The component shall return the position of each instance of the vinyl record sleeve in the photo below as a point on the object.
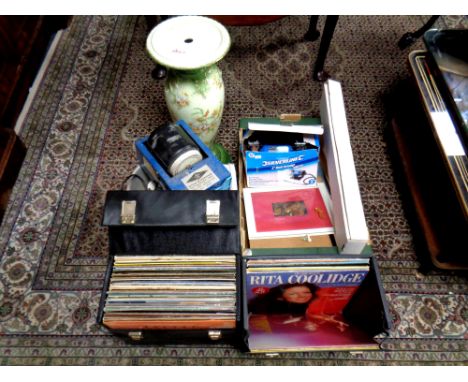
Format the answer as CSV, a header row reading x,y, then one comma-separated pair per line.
x,y
275,213
301,308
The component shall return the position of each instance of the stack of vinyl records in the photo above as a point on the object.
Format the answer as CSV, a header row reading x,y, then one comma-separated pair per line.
x,y
172,292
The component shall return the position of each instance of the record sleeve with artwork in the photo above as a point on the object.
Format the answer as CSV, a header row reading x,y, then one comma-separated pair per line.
x,y
276,213
300,308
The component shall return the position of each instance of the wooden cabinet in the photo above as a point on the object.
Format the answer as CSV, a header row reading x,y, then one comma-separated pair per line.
x,y
12,152
24,41
23,44
431,177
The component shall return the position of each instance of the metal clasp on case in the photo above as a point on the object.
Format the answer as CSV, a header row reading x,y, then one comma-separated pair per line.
x,y
214,334
127,213
136,336
212,211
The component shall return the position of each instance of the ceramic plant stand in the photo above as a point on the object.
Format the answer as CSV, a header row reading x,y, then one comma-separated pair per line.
x,y
189,47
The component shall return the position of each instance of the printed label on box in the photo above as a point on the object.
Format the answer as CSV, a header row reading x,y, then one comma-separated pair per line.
x,y
200,179
273,169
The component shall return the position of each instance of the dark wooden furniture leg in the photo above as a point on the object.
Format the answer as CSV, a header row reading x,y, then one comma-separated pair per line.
x,y
24,43
312,33
329,28
409,38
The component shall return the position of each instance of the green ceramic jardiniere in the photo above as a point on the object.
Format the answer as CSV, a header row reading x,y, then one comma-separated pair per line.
x,y
189,47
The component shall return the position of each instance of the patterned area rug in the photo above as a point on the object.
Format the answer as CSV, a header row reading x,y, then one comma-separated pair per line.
x,y
97,97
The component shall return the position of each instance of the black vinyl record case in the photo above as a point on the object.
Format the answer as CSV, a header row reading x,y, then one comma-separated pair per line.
x,y
170,224
364,315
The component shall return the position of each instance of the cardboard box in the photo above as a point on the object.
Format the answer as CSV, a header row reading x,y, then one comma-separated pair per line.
x,y
316,241
351,234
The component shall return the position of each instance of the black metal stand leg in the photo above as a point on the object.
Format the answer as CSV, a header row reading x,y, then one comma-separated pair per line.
x,y
409,38
328,30
312,33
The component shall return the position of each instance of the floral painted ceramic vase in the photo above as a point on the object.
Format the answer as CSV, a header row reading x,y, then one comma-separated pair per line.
x,y
197,97
189,47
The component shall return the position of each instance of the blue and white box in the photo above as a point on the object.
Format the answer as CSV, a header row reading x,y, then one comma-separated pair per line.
x,y
281,165
207,174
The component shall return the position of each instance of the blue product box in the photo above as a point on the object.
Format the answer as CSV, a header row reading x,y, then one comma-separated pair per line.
x,y
207,174
277,161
